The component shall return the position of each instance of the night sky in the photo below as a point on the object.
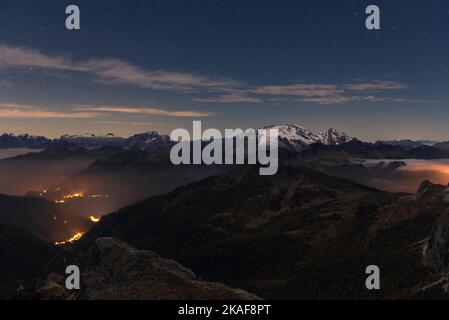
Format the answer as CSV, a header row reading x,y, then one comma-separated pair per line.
x,y
158,65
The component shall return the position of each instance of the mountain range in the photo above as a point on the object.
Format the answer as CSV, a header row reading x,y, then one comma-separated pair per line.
x,y
303,233
292,134
293,137
146,140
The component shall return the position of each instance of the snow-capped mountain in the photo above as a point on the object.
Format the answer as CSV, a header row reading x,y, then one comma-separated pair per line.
x,y
23,141
150,140
290,136
296,134
145,140
333,137
89,136
149,137
89,140
297,137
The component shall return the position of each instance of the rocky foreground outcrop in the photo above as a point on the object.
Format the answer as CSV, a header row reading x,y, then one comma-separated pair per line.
x,y
113,270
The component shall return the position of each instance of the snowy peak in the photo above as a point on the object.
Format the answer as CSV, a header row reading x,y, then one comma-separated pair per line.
x,y
88,136
296,133
297,136
148,140
148,137
333,137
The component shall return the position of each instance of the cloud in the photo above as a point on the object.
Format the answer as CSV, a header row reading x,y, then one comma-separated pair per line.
x,y
27,57
326,100
131,123
326,94
142,111
305,90
376,85
231,98
11,110
404,100
114,71
111,71
338,99
20,111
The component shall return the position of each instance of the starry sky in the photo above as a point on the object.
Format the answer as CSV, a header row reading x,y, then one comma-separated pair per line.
x,y
158,65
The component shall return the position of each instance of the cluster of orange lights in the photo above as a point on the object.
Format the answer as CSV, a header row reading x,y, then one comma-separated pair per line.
x,y
69,197
78,235
80,195
94,219
73,196
71,240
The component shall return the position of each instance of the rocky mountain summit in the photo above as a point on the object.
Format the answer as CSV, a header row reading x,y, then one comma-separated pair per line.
x,y
113,270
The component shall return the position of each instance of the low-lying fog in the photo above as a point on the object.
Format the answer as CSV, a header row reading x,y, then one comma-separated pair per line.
x,y
408,178
19,177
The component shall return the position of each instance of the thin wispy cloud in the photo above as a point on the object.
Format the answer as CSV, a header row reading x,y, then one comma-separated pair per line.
x,y
131,123
323,94
304,90
371,99
326,94
142,111
28,57
114,71
338,99
18,111
376,85
231,98
21,111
